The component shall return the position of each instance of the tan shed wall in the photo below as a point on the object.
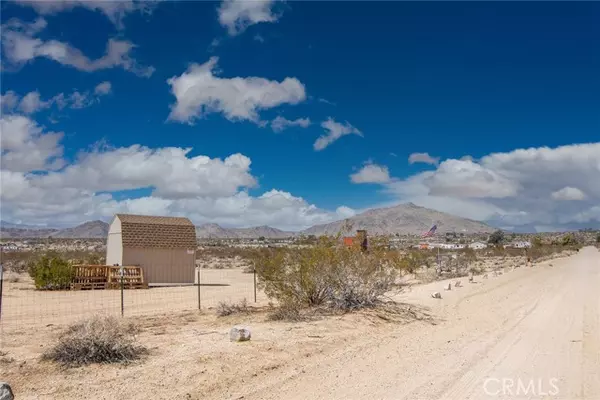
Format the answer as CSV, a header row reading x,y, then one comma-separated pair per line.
x,y
163,265
114,243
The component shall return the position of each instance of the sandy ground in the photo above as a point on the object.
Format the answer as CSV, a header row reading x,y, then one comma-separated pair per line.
x,y
530,333
23,307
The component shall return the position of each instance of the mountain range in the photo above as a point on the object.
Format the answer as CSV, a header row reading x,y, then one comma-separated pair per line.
x,y
402,219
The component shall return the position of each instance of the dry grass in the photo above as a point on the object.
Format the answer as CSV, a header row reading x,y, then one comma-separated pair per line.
x,y
290,312
98,340
225,308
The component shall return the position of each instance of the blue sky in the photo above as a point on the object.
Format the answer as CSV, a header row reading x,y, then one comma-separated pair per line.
x,y
513,86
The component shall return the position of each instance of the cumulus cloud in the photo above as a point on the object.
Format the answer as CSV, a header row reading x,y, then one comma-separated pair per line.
x,y
568,193
334,131
423,158
371,173
203,188
115,11
469,179
280,123
20,45
26,147
32,101
238,15
170,171
524,187
198,92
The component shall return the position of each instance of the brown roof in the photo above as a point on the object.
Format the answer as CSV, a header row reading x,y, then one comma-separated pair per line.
x,y
157,232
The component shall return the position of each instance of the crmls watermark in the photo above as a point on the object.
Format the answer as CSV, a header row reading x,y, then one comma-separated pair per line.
x,y
521,387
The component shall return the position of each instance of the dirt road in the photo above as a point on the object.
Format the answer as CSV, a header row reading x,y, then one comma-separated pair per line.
x,y
530,333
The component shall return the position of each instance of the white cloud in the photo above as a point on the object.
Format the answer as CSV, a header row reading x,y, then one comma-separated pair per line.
x,y
335,130
237,15
169,171
259,38
115,11
20,46
9,100
103,88
524,187
32,101
204,189
568,193
326,102
280,123
469,179
371,173
26,147
423,158
199,92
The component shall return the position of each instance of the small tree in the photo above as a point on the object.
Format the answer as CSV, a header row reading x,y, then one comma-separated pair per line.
x,y
51,272
598,238
537,241
496,238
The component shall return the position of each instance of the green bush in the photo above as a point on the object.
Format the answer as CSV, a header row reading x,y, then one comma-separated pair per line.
x,y
51,272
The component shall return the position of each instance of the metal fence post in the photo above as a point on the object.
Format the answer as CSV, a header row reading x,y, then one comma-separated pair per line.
x,y
122,300
198,282
1,284
254,272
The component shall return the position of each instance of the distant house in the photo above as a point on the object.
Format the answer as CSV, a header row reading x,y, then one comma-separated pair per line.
x,y
165,247
522,245
477,246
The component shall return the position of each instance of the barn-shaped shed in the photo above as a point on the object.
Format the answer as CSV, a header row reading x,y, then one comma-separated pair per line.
x,y
165,247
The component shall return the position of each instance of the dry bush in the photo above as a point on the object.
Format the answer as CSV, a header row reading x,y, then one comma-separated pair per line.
x,y
290,312
328,274
101,339
224,308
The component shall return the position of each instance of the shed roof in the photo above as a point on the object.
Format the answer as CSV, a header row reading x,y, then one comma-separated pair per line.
x,y
157,232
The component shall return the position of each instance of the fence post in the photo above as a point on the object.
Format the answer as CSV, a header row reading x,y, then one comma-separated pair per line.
x,y
122,300
198,282
1,284
254,272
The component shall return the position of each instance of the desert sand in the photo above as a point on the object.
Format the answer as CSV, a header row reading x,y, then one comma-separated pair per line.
x,y
530,333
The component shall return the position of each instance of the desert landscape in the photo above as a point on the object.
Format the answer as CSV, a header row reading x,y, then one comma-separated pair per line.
x,y
536,323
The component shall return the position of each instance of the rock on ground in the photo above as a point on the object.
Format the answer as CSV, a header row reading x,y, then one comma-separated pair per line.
x,y
238,334
436,295
6,392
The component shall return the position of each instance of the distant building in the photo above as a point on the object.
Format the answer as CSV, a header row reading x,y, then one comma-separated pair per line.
x,y
477,246
165,247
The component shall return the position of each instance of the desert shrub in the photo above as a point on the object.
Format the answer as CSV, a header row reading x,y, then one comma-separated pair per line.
x,y
328,274
496,238
569,240
224,308
290,312
51,272
98,340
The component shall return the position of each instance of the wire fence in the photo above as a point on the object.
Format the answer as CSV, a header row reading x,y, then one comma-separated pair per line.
x,y
22,306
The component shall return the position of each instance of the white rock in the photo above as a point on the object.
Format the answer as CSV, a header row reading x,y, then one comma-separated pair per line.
x,y
239,334
6,392
436,295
